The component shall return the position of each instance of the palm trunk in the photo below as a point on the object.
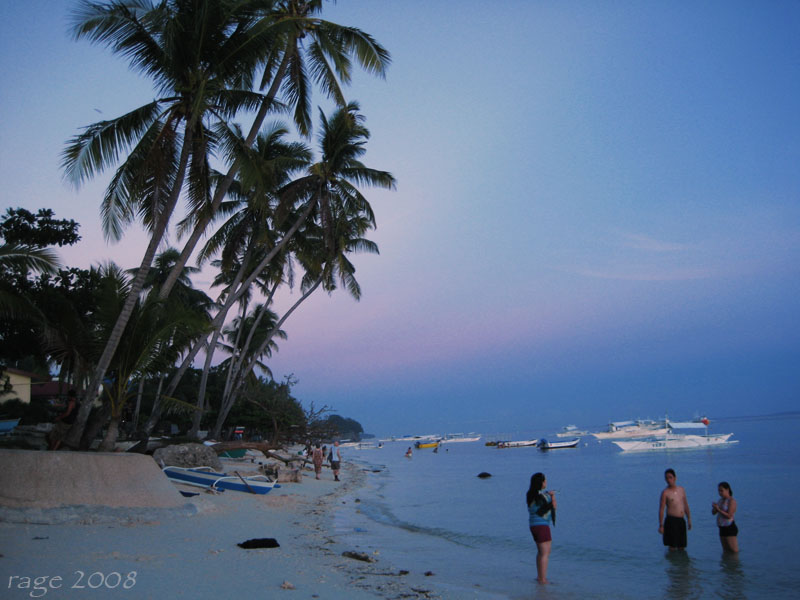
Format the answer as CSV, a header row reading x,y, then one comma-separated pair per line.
x,y
112,433
155,413
136,287
230,399
201,393
139,394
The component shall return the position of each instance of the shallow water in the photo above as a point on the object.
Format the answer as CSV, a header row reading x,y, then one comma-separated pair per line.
x,y
431,513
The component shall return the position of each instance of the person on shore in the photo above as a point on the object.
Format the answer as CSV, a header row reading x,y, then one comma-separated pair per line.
x,y
672,527
541,512
316,458
63,422
336,460
725,510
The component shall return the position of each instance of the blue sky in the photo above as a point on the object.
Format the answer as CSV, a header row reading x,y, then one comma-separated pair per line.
x,y
597,214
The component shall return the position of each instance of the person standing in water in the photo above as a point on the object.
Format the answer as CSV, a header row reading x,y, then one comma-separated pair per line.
x,y
541,512
725,510
673,526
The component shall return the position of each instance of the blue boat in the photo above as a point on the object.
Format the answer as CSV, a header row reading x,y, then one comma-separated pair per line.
x,y
208,478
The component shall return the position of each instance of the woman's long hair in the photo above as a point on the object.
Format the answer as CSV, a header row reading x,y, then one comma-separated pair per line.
x,y
537,482
727,486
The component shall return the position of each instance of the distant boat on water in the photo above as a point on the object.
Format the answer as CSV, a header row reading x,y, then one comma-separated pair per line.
x,y
571,431
673,440
460,437
517,443
546,445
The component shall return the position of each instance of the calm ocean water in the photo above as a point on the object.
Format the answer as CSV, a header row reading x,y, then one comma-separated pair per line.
x,y
431,513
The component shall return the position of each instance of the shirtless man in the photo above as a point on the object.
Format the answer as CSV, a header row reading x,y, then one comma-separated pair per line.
x,y
673,528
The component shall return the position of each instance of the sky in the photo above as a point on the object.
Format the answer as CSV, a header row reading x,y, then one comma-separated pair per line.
x,y
597,213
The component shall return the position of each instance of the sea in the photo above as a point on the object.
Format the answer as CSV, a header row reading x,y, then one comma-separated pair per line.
x,y
431,513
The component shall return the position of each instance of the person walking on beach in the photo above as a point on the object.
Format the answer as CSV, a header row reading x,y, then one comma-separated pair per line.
x,y
541,511
725,510
673,526
316,458
336,460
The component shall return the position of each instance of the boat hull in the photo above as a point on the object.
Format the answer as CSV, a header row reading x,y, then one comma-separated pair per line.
x,y
255,484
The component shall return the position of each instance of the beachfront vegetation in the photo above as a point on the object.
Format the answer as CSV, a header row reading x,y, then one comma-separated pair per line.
x,y
274,216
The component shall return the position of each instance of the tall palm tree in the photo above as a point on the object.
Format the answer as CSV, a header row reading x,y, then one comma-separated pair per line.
x,y
195,52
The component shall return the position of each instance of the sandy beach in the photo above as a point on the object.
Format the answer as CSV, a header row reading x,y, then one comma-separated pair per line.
x,y
190,549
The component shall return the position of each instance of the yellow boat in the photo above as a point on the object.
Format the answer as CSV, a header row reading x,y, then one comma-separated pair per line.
x,y
420,445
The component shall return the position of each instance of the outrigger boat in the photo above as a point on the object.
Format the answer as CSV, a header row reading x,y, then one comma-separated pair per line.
x,y
206,477
460,437
679,441
545,445
518,444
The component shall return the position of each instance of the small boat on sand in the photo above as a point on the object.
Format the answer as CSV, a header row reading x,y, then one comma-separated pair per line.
x,y
8,425
208,478
546,445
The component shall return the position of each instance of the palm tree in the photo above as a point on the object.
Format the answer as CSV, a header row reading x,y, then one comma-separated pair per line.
x,y
298,42
195,52
328,188
23,259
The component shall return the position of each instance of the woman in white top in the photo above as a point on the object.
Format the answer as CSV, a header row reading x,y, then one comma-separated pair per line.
x,y
725,510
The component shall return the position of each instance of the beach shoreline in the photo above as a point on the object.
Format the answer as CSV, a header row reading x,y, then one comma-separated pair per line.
x,y
175,555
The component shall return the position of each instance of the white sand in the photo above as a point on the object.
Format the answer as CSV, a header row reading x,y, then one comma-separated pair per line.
x,y
163,554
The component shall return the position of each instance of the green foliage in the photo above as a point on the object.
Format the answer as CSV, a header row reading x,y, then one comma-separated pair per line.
x,y
23,228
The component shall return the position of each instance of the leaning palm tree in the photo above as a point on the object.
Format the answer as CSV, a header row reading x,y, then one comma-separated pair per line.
x,y
330,186
195,52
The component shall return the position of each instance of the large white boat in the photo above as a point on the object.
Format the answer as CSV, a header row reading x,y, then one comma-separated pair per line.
x,y
679,441
632,429
676,441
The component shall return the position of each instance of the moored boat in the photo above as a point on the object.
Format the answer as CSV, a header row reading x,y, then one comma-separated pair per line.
x,y
571,431
547,445
421,445
517,443
676,441
460,437
208,478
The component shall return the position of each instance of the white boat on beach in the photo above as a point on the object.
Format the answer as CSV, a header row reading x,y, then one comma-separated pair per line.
x,y
206,477
571,431
632,429
679,441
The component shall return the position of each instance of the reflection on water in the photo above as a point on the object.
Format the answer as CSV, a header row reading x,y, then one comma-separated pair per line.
x,y
683,577
733,581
